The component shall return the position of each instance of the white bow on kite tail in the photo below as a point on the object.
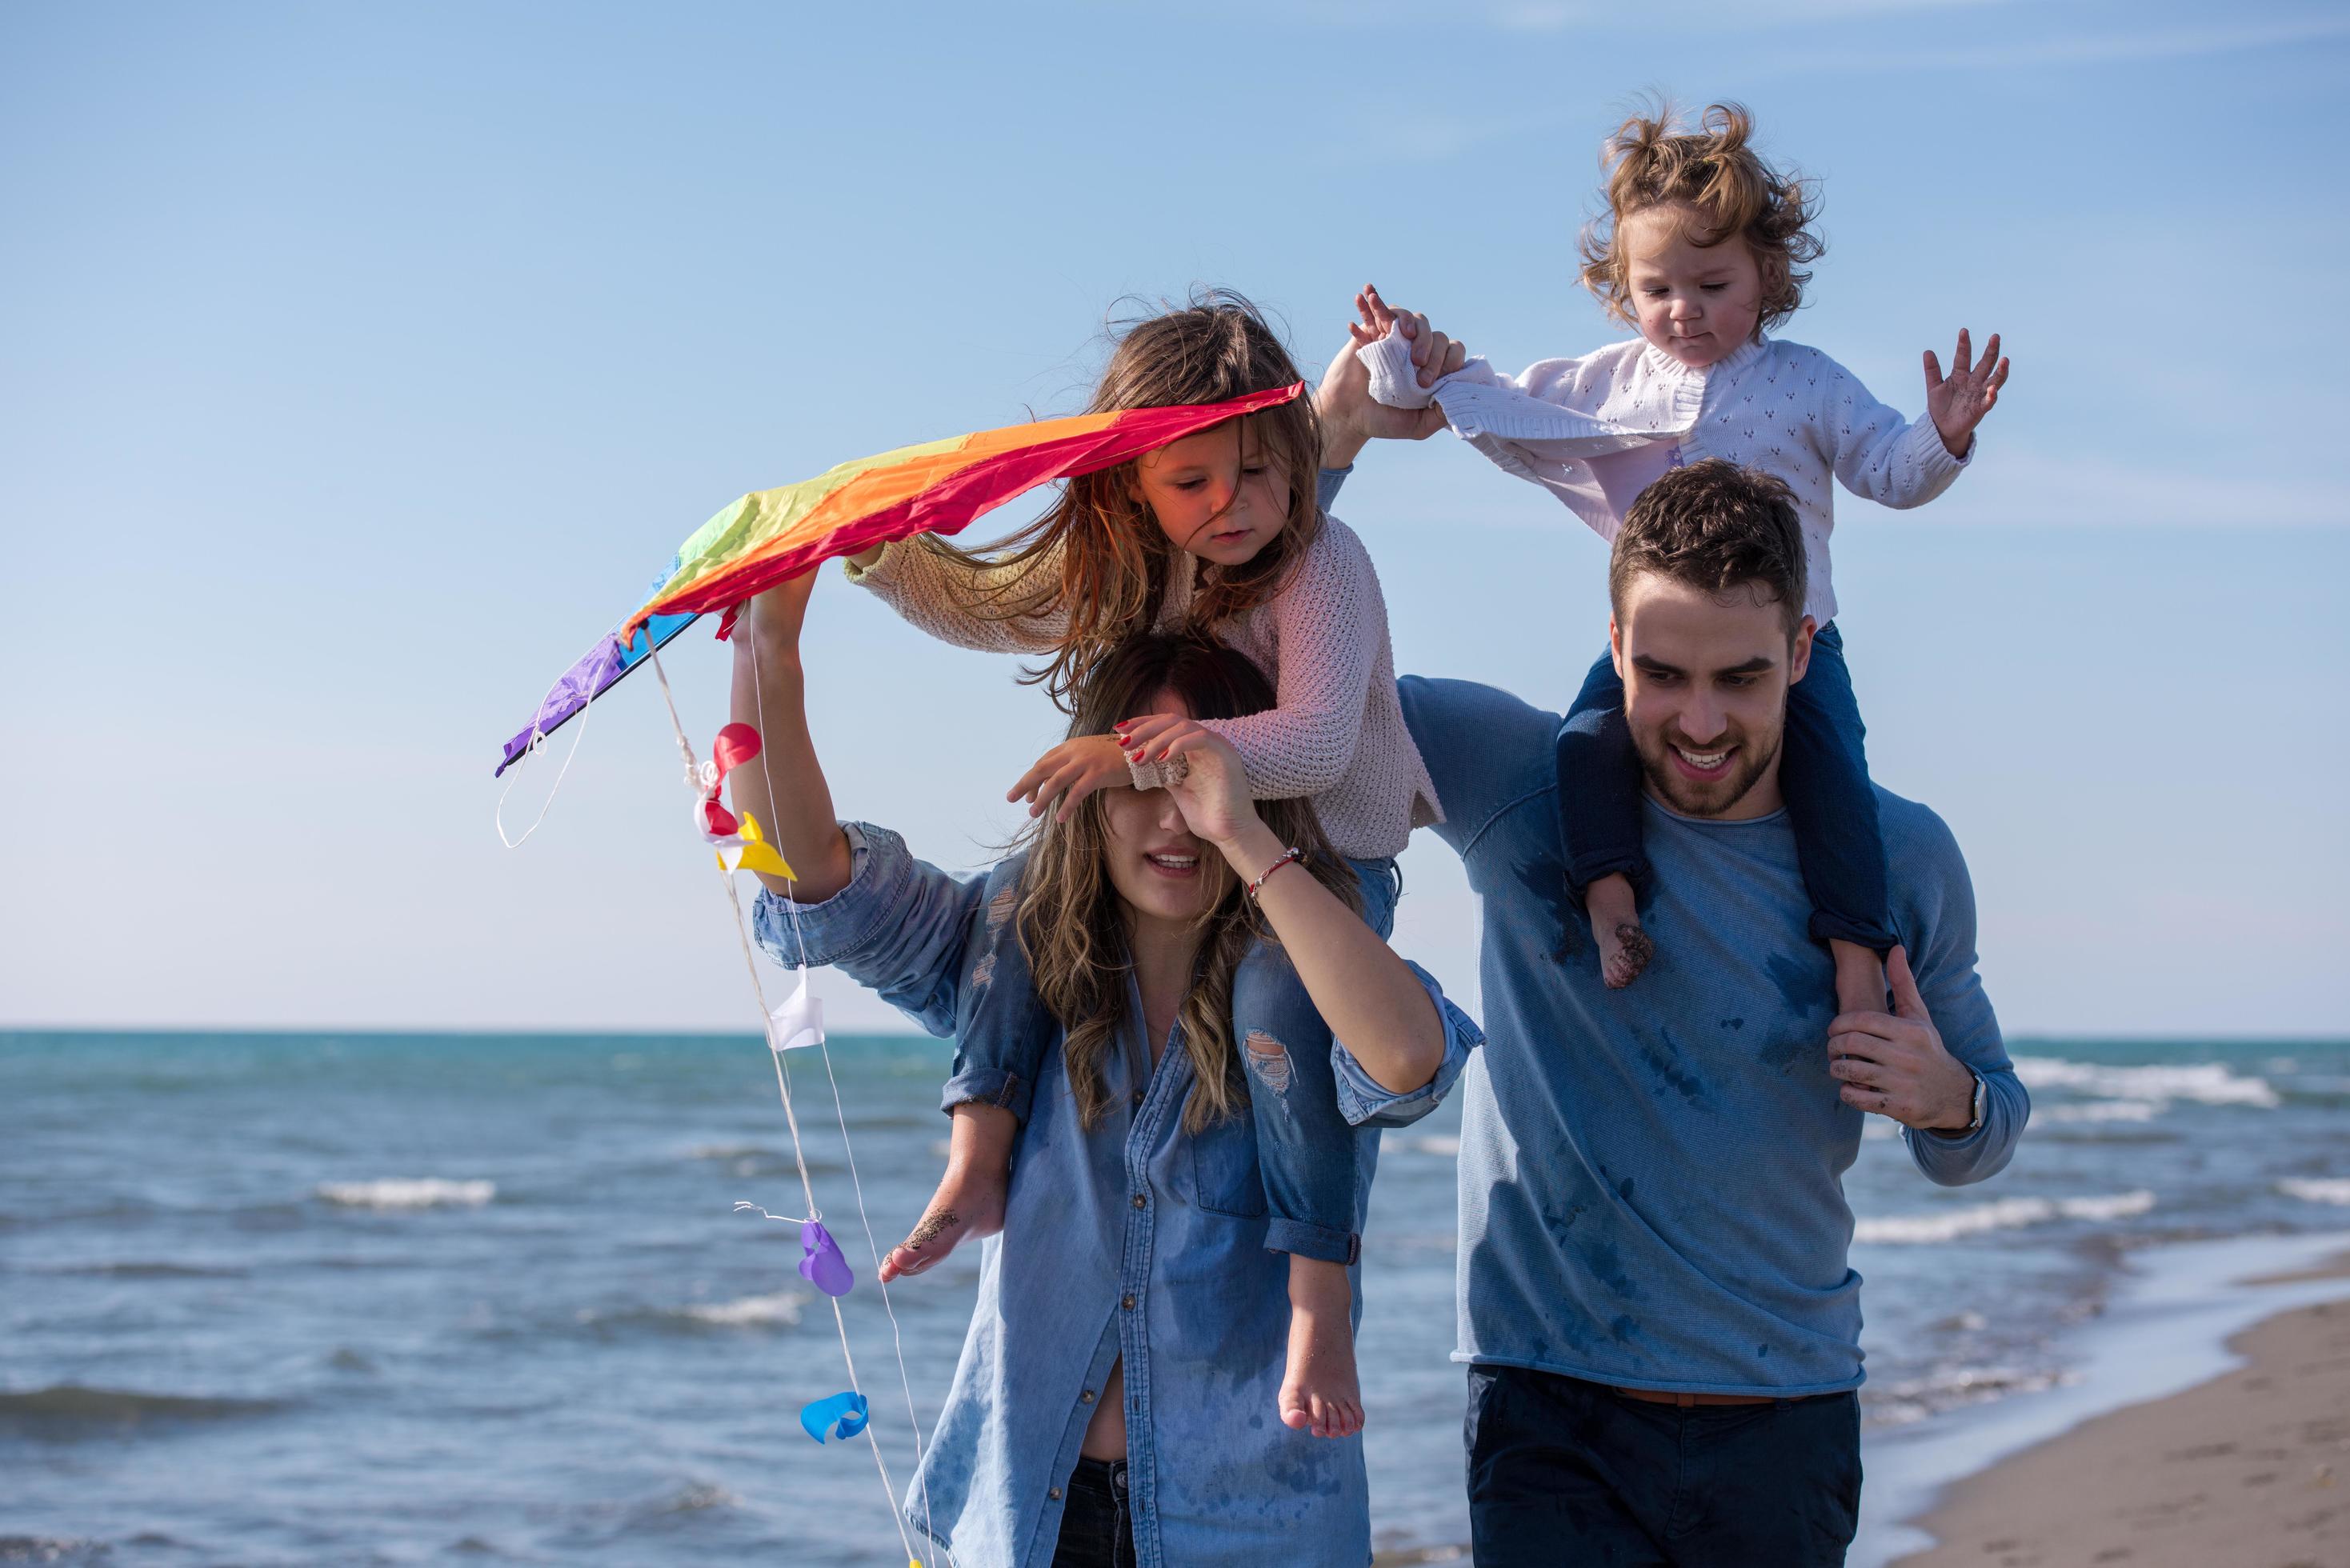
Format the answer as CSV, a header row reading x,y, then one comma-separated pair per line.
x,y
798,1024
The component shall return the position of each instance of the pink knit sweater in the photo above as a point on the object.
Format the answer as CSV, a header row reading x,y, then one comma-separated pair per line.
x,y
1337,734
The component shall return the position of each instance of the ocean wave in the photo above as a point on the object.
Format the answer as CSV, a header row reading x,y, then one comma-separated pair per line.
x,y
2204,1082
408,1192
1914,1399
777,1309
2003,1214
145,1270
2316,1189
2098,1111
52,1549
71,1404
1438,1144
691,1499
734,1151
781,1307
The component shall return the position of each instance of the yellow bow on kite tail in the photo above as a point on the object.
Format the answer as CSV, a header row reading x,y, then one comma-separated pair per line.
x,y
750,851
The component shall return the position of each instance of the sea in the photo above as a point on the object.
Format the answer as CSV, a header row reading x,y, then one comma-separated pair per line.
x,y
349,1298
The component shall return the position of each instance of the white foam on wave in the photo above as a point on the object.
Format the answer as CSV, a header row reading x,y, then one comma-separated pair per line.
x,y
1919,1397
2095,1111
2005,1214
751,1311
2204,1083
2316,1189
408,1192
1436,1144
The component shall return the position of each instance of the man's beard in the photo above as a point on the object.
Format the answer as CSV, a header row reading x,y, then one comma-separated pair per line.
x,y
1691,798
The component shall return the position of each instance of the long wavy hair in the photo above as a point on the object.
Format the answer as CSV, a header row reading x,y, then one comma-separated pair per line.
x,y
1073,925
1096,555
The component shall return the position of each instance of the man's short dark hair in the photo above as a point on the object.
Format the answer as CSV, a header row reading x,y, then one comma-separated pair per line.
x,y
1717,527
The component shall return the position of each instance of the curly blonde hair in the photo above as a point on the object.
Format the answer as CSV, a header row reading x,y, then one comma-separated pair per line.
x,y
1654,159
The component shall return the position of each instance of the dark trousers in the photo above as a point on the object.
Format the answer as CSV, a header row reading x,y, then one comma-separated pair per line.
x,y
1096,1521
1565,1474
1823,772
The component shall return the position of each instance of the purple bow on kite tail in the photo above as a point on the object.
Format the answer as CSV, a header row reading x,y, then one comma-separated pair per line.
x,y
821,1263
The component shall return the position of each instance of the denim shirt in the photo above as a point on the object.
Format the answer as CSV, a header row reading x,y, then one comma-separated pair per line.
x,y
1134,1240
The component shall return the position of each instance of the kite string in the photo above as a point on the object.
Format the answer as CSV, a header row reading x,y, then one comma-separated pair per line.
x,y
872,1246
782,1088
537,741
857,1183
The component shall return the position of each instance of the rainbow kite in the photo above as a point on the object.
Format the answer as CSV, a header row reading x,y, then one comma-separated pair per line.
x,y
935,488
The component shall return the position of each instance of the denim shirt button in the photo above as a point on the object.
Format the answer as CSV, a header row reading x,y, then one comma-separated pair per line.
x,y
1087,1397
1128,1303
1138,1097
1055,1494
1140,1202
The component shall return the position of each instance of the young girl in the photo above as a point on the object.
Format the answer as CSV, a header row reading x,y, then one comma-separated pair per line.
x,y
1703,250
1220,534
1108,1405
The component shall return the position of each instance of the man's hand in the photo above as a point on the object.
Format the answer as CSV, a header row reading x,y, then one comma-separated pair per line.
x,y
1349,414
1893,1064
1071,771
1958,402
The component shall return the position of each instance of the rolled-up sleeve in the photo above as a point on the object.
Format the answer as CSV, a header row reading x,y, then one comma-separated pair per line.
x,y
899,929
1368,1103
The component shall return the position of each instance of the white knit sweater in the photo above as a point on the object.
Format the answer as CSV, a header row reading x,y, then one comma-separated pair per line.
x,y
1338,733
1594,432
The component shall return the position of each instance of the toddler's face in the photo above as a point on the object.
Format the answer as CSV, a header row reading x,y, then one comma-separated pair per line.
x,y
1697,303
1214,493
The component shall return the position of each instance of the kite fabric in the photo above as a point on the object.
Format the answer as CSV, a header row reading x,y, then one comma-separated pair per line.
x,y
938,487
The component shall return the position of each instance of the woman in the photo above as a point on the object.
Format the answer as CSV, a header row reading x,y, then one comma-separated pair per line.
x,y
1111,1404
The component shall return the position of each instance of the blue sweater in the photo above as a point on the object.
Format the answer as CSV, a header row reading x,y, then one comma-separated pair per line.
x,y
1651,1187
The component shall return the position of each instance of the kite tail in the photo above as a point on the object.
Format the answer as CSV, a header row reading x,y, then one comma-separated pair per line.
x,y
791,1120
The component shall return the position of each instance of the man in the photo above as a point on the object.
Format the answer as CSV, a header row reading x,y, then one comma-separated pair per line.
x,y
1661,1326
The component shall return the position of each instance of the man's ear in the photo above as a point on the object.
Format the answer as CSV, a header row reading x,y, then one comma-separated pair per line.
x,y
1615,647
1799,658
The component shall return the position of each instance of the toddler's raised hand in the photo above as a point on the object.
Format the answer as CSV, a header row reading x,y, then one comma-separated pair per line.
x,y
1958,402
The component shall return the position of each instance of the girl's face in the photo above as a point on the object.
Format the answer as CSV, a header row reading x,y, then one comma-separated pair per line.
x,y
1161,870
1214,495
1696,303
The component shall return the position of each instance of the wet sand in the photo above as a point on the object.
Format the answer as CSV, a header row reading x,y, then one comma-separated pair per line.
x,y
2249,1470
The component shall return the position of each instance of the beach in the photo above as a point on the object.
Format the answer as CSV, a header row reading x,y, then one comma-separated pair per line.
x,y
2251,1468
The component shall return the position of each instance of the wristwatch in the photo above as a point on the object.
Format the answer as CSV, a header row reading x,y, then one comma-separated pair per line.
x,y
1981,1099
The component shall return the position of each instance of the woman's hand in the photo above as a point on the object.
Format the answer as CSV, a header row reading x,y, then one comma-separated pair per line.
x,y
773,619
1072,771
1214,792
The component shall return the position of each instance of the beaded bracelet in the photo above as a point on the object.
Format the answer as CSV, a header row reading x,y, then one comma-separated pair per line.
x,y
1287,855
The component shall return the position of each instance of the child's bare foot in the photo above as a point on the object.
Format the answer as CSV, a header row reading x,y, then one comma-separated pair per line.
x,y
1859,978
1624,946
970,1199
1319,1391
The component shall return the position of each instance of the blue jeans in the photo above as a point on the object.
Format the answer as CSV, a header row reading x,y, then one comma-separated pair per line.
x,y
1567,1474
1097,1518
1314,1168
1823,772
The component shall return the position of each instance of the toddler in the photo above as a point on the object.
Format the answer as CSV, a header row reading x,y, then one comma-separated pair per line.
x,y
1703,249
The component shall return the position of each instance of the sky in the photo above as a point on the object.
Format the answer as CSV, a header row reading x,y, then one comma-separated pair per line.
x,y
363,364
